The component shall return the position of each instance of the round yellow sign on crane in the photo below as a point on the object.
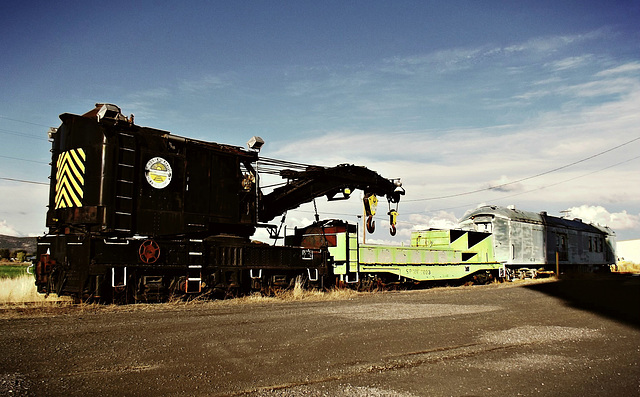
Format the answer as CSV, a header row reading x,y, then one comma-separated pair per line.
x,y
158,172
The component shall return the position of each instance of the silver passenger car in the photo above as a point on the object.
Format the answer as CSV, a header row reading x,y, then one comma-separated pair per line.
x,y
538,240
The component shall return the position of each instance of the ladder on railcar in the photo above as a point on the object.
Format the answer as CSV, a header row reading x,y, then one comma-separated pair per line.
x,y
124,185
353,258
196,254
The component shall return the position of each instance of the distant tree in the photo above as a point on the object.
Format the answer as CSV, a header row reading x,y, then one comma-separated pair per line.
x,y
5,253
20,255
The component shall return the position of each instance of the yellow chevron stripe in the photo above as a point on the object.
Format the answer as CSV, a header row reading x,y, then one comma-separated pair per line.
x,y
74,174
67,197
64,201
68,192
78,160
70,179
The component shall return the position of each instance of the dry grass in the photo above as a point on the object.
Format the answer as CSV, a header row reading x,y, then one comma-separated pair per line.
x,y
295,294
18,297
627,267
299,294
22,290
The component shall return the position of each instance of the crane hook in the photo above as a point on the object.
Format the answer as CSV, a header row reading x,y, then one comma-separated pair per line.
x,y
371,224
393,215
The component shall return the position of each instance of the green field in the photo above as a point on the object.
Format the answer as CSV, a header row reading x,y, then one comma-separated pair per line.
x,y
14,270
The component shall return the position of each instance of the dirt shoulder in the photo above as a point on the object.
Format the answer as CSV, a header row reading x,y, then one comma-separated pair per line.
x,y
57,307
519,338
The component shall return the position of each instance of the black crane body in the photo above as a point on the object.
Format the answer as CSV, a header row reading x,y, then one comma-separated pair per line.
x,y
136,213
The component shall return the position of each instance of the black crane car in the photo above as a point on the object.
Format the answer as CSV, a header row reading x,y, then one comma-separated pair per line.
x,y
137,213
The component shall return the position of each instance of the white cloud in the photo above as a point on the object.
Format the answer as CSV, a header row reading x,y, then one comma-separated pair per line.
x,y
204,84
436,160
23,208
570,62
145,105
440,220
619,86
7,229
436,165
600,215
550,80
604,86
554,43
456,59
626,68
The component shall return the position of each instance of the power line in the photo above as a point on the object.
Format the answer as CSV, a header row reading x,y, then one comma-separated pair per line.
x,y
24,122
527,178
542,187
11,132
571,179
499,198
23,181
31,161
280,163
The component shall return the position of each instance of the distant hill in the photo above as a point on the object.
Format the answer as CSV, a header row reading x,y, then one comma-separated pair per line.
x,y
16,243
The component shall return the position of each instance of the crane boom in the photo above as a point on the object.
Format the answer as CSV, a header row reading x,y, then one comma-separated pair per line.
x,y
304,186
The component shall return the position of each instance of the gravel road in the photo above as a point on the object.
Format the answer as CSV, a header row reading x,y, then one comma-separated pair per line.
x,y
554,338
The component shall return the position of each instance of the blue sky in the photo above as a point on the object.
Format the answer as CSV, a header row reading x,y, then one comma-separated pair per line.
x,y
452,97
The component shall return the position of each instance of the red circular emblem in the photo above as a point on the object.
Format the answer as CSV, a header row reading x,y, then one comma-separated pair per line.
x,y
149,251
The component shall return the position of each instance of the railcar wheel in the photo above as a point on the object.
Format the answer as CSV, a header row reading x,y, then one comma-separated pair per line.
x,y
366,285
483,278
232,293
